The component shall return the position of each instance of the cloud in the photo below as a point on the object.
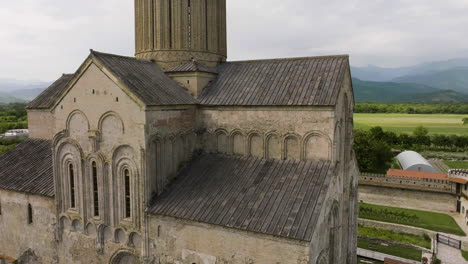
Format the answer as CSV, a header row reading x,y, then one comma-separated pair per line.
x,y
40,39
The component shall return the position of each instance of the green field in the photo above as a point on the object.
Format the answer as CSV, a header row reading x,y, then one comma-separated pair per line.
x,y
428,220
403,252
406,123
422,241
456,164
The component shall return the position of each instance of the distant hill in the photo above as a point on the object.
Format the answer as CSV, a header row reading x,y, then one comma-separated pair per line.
x,y
20,91
380,74
28,94
8,98
392,92
452,79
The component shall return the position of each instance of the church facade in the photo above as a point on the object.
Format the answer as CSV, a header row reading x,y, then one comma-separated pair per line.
x,y
178,156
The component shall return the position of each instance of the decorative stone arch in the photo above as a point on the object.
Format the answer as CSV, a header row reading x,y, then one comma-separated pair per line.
x,y
102,184
155,159
273,145
256,144
78,127
336,145
237,143
66,152
292,146
222,141
64,223
120,236
111,113
77,225
124,257
323,258
334,236
72,114
111,129
321,149
123,158
134,240
91,230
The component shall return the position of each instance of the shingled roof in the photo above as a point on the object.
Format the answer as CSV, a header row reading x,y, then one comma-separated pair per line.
x,y
192,66
275,197
50,95
28,168
146,80
313,81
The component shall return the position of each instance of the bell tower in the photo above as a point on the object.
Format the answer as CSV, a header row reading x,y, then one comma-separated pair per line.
x,y
174,32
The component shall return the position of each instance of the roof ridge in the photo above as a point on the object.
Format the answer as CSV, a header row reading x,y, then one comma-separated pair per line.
x,y
93,52
343,56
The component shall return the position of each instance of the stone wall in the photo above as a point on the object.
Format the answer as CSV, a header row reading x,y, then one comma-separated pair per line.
x,y
176,241
41,124
433,201
280,133
18,235
408,183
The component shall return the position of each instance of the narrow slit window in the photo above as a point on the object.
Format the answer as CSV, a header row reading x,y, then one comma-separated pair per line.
x,y
0,208
128,206
71,173
30,214
95,189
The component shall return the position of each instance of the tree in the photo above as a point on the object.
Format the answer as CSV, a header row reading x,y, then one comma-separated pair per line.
x,y
420,136
373,155
465,121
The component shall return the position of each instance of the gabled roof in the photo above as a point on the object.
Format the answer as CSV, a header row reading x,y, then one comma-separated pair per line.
x,y
28,168
144,79
49,96
192,66
275,197
313,81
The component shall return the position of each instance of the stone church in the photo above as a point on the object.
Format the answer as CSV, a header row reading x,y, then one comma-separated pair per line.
x,y
178,156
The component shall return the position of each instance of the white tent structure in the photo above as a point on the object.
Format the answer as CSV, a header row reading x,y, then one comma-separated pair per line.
x,y
410,160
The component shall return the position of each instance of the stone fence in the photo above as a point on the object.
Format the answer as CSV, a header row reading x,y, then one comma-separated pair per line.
x,y
382,180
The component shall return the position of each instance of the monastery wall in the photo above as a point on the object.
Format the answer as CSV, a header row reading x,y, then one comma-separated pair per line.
x,y
18,235
41,124
412,199
408,183
280,133
176,241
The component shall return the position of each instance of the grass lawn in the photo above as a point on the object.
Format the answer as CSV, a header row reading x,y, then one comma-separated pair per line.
x,y
406,123
407,253
428,220
465,254
456,164
395,236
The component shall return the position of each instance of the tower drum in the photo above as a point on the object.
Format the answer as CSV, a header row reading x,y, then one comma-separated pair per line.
x,y
173,32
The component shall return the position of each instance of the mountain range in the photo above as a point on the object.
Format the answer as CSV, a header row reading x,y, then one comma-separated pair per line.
x,y
438,81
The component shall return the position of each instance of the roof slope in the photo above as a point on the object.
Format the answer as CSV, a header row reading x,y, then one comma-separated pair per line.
x,y
28,168
49,96
276,197
192,66
298,81
146,80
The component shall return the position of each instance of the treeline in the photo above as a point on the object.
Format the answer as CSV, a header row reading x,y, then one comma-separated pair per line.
x,y
413,108
13,116
374,147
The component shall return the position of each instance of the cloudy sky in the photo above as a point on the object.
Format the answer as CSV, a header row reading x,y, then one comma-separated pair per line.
x,y
40,39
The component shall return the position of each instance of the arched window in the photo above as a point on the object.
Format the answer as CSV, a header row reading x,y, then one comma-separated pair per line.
x,y
128,207
71,174
95,189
